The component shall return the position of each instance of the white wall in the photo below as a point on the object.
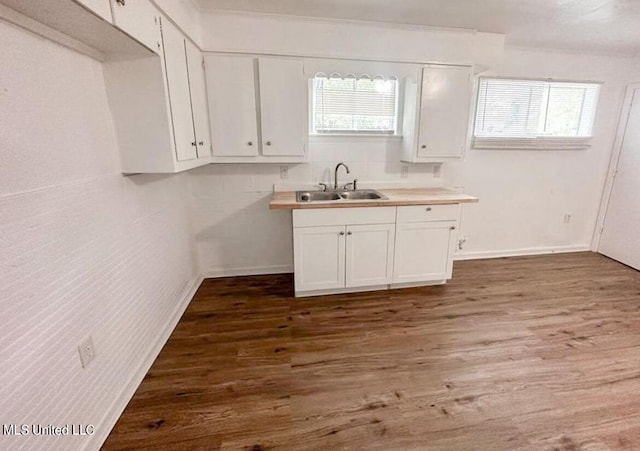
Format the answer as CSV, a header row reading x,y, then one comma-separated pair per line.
x,y
83,250
523,195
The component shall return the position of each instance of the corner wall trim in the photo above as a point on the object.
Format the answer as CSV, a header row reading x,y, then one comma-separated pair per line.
x,y
106,424
521,252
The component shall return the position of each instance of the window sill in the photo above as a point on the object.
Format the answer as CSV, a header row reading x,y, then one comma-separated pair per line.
x,y
532,143
353,135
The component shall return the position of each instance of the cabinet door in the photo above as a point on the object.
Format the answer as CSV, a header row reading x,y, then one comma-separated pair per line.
x,y
424,251
444,111
232,105
369,258
319,257
283,106
139,19
178,84
100,8
195,66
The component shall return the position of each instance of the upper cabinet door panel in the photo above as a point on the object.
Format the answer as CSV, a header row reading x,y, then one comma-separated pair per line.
x,y
100,8
139,19
198,100
175,60
444,111
232,105
283,105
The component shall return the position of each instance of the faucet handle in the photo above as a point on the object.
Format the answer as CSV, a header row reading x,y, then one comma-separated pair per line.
x,y
323,186
353,184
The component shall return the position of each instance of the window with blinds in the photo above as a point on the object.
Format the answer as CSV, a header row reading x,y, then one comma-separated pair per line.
x,y
534,114
354,105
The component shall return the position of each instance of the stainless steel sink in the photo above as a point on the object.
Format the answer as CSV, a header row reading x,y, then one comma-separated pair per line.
x,y
362,194
323,196
316,196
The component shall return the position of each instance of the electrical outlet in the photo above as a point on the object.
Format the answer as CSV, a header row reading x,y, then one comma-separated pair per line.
x,y
436,171
567,218
404,172
284,172
87,352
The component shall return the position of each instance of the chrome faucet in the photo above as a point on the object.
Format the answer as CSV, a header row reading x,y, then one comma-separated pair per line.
x,y
335,174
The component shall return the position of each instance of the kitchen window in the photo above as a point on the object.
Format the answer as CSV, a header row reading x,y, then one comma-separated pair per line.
x,y
354,105
534,114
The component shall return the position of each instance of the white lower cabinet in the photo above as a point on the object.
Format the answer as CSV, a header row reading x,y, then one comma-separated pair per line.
x,y
424,251
350,249
369,255
336,250
319,256
425,242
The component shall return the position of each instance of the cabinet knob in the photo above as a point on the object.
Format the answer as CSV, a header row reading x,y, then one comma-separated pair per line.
x,y
120,2
423,146
428,208
201,143
453,227
349,233
341,233
268,143
193,143
250,143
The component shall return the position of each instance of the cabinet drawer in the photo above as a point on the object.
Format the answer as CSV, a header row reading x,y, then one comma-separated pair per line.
x,y
422,213
344,216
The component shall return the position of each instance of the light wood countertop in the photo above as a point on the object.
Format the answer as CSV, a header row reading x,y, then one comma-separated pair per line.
x,y
286,200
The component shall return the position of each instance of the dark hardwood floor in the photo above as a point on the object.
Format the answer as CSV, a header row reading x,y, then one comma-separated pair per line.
x,y
524,353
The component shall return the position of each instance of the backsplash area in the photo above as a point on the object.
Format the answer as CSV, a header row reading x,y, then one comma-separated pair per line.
x,y
230,202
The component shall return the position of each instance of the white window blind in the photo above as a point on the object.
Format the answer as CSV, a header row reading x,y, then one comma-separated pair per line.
x,y
532,114
354,105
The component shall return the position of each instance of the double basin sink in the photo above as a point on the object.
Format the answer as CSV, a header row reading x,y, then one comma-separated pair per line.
x,y
323,196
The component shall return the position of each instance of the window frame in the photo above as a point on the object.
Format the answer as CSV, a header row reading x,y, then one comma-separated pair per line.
x,y
539,142
396,133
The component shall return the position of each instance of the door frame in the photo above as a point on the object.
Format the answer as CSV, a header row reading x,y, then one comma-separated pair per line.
x,y
614,161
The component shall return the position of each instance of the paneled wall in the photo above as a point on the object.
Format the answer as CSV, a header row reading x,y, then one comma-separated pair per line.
x,y
83,250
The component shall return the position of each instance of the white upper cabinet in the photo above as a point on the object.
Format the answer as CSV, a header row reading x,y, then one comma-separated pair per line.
x,y
232,105
178,83
139,19
283,106
258,108
436,114
100,8
198,95
157,114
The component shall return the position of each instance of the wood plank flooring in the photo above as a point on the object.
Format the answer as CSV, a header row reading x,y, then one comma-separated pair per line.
x,y
526,353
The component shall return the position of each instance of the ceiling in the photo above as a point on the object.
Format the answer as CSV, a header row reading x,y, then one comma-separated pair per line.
x,y
595,26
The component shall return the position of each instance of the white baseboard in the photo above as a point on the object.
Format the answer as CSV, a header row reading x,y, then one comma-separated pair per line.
x,y
249,271
103,428
521,252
